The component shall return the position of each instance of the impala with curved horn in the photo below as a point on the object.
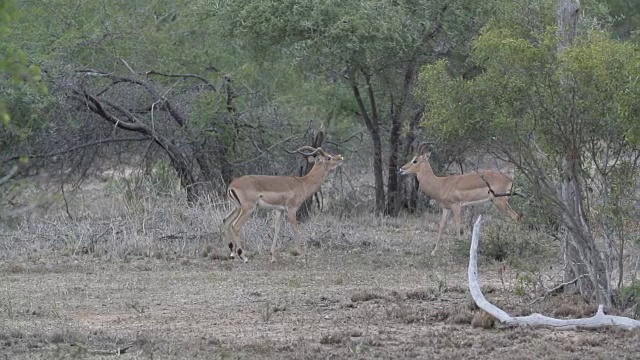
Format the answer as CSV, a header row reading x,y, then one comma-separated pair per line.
x,y
279,193
457,191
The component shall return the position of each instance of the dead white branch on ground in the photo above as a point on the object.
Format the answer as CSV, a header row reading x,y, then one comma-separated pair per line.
x,y
9,175
596,321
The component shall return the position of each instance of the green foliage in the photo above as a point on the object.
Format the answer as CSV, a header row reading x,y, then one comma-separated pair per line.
x,y
14,69
606,77
522,90
629,297
625,18
444,116
172,37
331,29
161,35
329,34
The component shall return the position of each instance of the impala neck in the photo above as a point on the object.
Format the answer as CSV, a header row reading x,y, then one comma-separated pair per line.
x,y
429,182
313,180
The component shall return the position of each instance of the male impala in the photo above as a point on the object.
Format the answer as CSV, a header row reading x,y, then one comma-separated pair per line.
x,y
279,193
456,191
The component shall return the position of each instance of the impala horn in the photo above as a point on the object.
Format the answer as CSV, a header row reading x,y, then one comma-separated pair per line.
x,y
423,146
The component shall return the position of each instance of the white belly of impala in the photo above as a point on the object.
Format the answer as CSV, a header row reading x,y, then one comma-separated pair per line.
x,y
265,205
475,202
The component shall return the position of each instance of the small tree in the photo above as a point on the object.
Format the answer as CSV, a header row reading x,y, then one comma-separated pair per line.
x,y
567,120
16,77
375,49
159,72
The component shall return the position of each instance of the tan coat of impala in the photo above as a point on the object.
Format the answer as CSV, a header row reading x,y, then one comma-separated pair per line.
x,y
279,193
457,191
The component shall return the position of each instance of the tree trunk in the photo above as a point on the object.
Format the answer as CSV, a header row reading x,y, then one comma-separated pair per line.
x,y
583,260
221,150
222,155
372,124
411,185
393,183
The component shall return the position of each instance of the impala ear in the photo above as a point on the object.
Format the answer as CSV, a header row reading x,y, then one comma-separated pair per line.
x,y
311,159
426,151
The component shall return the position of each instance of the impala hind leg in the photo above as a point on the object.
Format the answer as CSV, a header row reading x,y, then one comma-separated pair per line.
x,y
225,229
291,216
443,222
242,218
457,220
276,230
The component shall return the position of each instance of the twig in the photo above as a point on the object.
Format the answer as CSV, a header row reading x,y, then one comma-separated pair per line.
x,y
266,150
357,135
176,236
556,288
127,65
199,77
74,148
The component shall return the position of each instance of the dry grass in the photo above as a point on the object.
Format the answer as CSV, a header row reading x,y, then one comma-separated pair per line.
x,y
363,296
148,275
483,320
421,295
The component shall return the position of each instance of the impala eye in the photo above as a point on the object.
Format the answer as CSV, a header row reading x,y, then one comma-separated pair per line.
x,y
330,157
415,161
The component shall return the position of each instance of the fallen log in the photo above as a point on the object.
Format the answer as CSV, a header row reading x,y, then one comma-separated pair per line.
x,y
600,319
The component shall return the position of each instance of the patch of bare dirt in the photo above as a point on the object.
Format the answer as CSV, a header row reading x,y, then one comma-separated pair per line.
x,y
338,304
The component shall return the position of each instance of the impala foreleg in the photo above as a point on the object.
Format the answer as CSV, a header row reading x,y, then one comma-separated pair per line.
x,y
443,223
502,203
276,230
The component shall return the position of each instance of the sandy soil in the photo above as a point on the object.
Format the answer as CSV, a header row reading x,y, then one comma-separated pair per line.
x,y
363,302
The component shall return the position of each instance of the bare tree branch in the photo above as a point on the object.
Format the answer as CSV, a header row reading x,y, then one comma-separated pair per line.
x,y
195,76
557,288
74,148
175,114
263,152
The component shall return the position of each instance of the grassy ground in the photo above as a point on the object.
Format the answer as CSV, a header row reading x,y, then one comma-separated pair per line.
x,y
153,280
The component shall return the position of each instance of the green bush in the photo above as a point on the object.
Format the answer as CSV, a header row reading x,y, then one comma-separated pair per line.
x,y
629,297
